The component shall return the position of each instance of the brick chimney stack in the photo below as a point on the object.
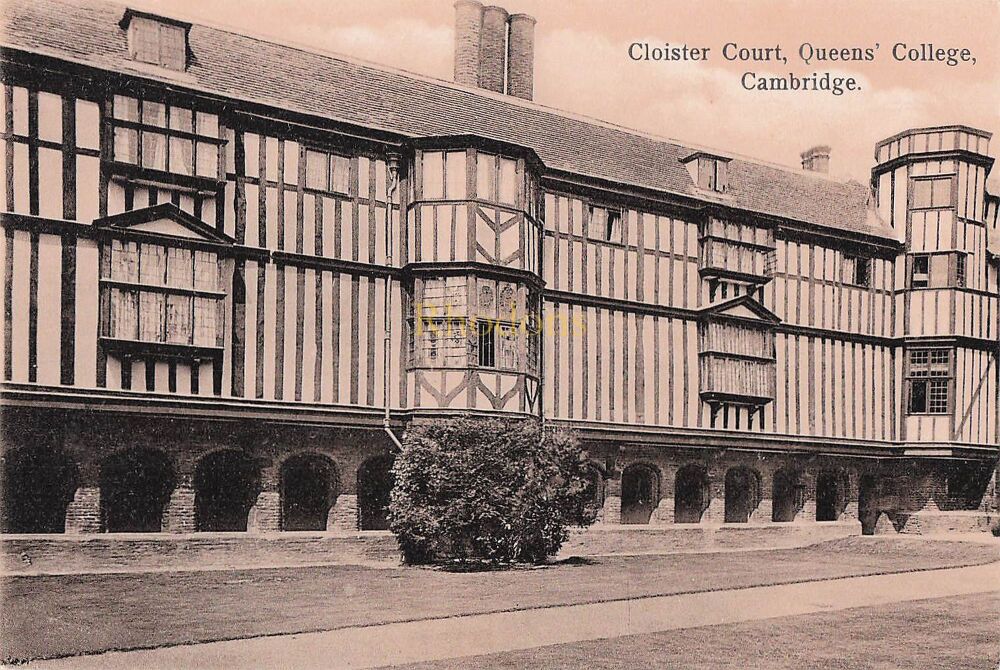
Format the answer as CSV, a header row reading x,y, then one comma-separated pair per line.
x,y
521,56
493,49
468,30
816,159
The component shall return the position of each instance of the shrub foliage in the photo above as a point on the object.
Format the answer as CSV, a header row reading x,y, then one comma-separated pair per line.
x,y
488,489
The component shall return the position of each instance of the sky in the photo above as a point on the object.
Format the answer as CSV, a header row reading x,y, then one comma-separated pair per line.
x,y
582,64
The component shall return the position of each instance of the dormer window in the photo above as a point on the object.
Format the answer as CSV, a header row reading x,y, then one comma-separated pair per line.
x,y
710,173
156,40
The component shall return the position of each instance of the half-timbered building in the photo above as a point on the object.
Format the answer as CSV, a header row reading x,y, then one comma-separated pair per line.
x,y
234,271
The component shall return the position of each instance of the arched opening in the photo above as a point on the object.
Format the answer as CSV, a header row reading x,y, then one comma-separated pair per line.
x,y
831,495
787,495
308,490
640,493
742,494
225,488
38,486
375,482
691,494
135,487
868,495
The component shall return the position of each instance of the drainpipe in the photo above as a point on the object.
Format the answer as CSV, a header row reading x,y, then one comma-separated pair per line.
x,y
392,164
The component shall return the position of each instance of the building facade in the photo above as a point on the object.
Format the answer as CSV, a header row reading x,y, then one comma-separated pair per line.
x,y
235,271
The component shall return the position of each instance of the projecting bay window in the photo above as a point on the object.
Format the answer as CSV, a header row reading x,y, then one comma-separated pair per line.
x,y
929,376
162,296
167,138
737,361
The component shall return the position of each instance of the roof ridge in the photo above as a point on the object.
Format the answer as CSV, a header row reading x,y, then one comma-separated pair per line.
x,y
274,40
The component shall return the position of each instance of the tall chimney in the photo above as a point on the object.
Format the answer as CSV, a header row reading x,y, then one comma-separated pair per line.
x,y
493,49
816,159
468,31
521,56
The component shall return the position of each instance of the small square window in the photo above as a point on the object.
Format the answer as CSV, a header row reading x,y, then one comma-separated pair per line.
x,y
858,271
920,272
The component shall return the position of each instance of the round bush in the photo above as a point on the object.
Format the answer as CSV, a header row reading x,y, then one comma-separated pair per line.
x,y
488,489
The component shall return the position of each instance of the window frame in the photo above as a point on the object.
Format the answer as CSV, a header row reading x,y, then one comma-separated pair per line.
x,y
168,56
172,136
852,277
928,375
135,286
922,179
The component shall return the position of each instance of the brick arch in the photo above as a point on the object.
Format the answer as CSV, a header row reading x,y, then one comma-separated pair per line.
x,y
135,483
226,482
742,492
309,483
598,483
692,493
640,484
787,494
833,489
38,486
375,483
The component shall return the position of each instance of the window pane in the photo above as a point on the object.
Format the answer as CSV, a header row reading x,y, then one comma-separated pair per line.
x,y
205,311
508,181
151,316
206,271
154,113
456,175
941,193
613,227
598,223
180,268
208,124
485,177
181,155
153,264
178,319
316,170
124,324
173,52
487,346
433,175
126,108
918,396
939,270
507,351
181,119
126,145
154,151
208,160
341,170
921,193
124,261
937,401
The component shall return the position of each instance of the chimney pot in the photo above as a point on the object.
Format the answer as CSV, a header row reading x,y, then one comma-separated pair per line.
x,y
521,56
816,159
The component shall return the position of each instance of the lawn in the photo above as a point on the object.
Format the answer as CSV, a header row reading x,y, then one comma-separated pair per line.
x,y
957,633
65,615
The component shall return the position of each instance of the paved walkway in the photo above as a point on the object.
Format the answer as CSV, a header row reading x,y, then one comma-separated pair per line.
x,y
434,639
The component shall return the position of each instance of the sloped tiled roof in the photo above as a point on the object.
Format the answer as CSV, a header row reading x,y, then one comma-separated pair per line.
x,y
286,77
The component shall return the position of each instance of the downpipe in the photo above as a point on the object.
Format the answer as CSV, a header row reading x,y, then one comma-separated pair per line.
x,y
392,165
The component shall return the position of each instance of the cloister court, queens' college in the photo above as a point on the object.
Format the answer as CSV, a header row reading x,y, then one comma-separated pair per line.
x,y
235,272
